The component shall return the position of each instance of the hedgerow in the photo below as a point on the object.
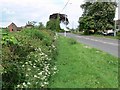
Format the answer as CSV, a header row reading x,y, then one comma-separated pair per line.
x,y
28,58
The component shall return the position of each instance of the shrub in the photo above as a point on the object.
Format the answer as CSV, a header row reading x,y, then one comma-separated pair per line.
x,y
28,58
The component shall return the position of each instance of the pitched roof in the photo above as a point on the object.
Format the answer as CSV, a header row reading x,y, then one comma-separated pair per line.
x,y
12,24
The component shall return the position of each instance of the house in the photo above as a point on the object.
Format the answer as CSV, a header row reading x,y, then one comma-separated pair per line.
x,y
29,26
12,27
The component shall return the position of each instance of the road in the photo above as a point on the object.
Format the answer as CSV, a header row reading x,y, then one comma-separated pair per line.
x,y
105,44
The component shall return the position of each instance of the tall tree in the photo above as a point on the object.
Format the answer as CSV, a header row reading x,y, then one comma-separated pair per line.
x,y
101,14
54,21
62,17
53,25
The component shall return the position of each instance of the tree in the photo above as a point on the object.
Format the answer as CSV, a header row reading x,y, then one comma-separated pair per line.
x,y
31,23
53,25
41,26
97,15
55,20
62,17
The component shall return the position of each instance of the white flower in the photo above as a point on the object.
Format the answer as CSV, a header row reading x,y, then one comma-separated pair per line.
x,y
53,46
39,49
42,85
26,75
34,66
40,73
35,76
24,84
26,62
23,65
29,69
46,83
38,69
43,77
36,82
28,83
18,86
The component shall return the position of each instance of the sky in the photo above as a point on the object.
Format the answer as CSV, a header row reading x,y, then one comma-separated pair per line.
x,y
22,11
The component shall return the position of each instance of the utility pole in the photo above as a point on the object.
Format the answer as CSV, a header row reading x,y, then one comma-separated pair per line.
x,y
65,18
115,29
65,26
115,19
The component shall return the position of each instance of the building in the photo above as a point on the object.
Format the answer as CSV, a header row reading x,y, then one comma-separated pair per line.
x,y
12,27
29,26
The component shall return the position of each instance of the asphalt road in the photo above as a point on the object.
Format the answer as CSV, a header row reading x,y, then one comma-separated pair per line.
x,y
105,44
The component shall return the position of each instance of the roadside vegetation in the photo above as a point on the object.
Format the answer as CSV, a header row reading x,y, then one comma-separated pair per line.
x,y
98,35
34,58
112,37
28,58
81,66
98,18
38,58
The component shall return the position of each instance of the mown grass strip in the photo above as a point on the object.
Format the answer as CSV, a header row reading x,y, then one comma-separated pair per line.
x,y
81,66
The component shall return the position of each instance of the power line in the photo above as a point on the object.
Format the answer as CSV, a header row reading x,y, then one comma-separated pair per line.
x,y
65,5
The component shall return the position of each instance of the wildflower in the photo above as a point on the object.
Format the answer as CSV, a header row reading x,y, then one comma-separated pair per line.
x,y
29,69
36,82
23,65
39,49
53,46
42,85
18,86
40,73
34,66
26,75
35,76
28,83
26,62
43,77
46,83
24,84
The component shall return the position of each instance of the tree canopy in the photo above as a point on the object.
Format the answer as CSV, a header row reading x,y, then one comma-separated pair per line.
x,y
62,17
55,19
97,16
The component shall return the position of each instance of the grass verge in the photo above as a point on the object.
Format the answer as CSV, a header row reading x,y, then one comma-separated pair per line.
x,y
111,37
81,66
99,35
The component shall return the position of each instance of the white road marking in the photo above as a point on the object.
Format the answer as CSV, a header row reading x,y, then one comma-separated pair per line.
x,y
99,41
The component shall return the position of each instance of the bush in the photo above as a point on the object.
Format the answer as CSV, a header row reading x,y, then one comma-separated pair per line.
x,y
28,58
86,32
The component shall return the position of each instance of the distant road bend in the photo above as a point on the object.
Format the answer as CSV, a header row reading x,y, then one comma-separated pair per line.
x,y
105,44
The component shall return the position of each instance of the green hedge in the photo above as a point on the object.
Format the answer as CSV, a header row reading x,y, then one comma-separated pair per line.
x,y
28,58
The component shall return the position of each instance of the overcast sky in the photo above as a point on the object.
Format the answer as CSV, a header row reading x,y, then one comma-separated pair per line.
x,y
21,11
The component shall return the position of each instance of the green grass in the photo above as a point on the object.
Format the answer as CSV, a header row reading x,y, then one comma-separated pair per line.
x,y
98,35
83,67
112,37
